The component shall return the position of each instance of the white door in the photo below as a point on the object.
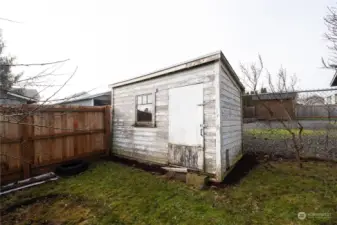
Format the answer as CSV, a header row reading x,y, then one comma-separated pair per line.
x,y
186,126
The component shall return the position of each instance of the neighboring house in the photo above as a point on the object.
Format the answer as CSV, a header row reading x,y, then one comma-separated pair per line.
x,y
187,115
84,99
20,96
281,104
332,99
313,100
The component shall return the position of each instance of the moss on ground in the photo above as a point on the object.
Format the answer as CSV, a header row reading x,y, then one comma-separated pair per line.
x,y
110,193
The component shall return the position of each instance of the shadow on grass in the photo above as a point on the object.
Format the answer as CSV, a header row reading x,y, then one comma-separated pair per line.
x,y
30,201
154,168
241,169
237,173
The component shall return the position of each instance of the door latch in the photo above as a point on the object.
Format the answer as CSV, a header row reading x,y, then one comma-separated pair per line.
x,y
202,127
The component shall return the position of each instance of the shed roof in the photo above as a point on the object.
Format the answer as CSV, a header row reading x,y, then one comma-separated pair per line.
x,y
25,93
182,66
275,96
84,96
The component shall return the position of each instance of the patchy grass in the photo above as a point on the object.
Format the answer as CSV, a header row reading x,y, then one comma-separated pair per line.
x,y
111,193
279,133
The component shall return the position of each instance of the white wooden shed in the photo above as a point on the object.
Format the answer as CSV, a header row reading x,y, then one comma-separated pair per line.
x,y
187,115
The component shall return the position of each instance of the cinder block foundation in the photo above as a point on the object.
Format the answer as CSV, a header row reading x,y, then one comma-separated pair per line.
x,y
196,180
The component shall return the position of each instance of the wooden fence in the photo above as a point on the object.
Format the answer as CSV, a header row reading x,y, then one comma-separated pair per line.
x,y
49,135
249,112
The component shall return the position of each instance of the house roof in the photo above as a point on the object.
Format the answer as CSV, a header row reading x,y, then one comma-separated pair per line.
x,y
334,80
25,93
85,96
275,96
182,66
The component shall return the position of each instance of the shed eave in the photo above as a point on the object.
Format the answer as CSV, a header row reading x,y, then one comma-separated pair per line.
x,y
174,68
215,56
232,72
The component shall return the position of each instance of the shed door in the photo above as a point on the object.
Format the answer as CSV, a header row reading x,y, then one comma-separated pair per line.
x,y
186,126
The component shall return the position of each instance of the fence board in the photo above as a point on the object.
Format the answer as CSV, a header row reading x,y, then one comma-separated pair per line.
x,y
316,111
50,135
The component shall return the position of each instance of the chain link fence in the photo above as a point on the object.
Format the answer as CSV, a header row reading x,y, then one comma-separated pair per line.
x,y
313,110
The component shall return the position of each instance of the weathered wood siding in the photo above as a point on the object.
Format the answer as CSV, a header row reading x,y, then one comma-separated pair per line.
x,y
231,119
151,144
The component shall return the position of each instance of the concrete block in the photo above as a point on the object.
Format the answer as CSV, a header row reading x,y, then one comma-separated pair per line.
x,y
197,180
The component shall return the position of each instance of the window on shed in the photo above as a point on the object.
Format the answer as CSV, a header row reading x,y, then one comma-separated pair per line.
x,y
144,108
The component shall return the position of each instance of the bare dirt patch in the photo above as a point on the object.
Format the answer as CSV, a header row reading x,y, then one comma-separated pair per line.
x,y
50,209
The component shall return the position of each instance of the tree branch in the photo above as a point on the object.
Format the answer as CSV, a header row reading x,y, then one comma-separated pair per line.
x,y
36,64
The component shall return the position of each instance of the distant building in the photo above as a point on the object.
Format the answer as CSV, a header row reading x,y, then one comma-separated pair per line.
x,y
312,100
332,99
84,99
281,104
20,96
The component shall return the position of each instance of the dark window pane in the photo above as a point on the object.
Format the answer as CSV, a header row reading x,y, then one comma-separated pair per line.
x,y
144,113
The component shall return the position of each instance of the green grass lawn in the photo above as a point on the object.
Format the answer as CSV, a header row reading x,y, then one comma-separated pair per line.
x,y
111,193
279,133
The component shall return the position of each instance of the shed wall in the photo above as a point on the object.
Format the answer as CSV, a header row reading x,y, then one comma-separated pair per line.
x,y
231,119
151,144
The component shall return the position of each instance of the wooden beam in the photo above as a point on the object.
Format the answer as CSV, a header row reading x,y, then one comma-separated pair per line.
x,y
107,128
176,169
154,107
47,136
218,117
36,109
25,147
64,109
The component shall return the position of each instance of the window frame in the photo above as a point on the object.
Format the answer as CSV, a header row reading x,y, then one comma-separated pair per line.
x,y
151,123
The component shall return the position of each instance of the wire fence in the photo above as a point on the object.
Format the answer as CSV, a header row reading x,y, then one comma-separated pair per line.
x,y
316,104
315,111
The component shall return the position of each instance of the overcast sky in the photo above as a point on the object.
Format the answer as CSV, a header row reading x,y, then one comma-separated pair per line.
x,y
111,41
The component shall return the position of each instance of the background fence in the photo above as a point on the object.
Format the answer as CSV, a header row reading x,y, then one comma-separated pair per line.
x,y
316,111
316,104
50,135
305,104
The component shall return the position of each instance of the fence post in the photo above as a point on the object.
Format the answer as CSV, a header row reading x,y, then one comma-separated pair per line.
x,y
25,145
107,128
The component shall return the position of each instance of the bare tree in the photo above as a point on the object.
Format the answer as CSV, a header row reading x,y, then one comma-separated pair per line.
x,y
284,84
330,21
48,81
